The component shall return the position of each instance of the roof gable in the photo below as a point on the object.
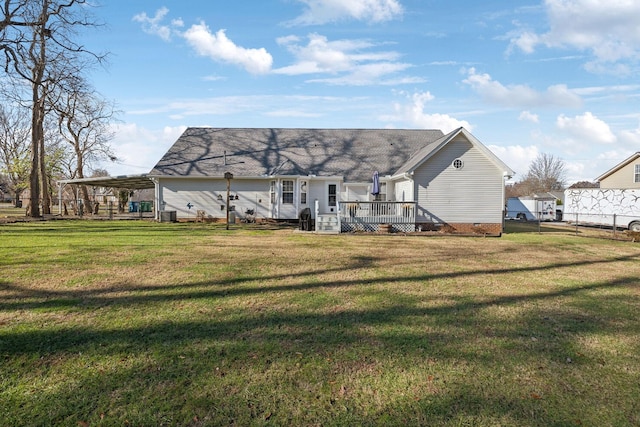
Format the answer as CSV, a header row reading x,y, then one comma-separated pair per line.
x,y
252,152
429,151
619,166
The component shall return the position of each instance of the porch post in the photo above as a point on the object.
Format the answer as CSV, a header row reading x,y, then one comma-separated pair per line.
x,y
317,209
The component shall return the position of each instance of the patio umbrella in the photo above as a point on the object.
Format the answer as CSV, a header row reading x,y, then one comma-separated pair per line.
x,y
375,190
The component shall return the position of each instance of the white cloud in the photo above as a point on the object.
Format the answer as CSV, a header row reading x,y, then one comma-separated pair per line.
x,y
324,11
527,116
609,30
292,113
413,114
586,128
229,109
517,157
526,41
350,58
219,48
520,95
135,157
631,138
153,25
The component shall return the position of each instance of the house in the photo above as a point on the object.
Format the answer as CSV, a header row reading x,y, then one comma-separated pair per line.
x,y
624,175
424,179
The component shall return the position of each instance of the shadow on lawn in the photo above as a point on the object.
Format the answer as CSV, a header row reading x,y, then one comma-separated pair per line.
x,y
15,295
403,331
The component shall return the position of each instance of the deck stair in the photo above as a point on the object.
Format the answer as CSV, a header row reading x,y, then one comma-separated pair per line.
x,y
327,224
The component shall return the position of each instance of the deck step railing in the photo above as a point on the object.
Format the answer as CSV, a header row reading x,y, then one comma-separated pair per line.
x,y
369,216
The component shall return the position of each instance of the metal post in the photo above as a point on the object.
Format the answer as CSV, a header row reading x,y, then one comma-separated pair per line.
x,y
614,225
228,176
60,186
576,223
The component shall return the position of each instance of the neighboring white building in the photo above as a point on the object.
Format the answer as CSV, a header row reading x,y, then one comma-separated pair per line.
x,y
537,207
615,204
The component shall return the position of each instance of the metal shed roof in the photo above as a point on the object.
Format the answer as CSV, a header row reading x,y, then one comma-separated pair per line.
x,y
131,182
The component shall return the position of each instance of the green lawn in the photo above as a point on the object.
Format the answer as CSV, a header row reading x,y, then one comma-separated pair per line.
x,y
146,324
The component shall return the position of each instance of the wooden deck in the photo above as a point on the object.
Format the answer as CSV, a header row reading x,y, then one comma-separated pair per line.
x,y
374,216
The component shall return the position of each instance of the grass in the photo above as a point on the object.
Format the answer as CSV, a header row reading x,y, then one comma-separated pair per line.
x,y
7,210
139,323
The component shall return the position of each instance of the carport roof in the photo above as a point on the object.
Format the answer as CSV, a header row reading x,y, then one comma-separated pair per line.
x,y
131,182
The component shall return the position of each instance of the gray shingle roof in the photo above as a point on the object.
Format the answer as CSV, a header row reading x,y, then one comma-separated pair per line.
x,y
351,153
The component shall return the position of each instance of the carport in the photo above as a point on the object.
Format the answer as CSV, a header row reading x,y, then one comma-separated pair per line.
x,y
130,182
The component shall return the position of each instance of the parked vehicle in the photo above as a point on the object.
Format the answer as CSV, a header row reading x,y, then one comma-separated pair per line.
x,y
619,208
531,208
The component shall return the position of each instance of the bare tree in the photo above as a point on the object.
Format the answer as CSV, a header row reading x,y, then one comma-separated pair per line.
x,y
84,118
36,37
546,173
14,149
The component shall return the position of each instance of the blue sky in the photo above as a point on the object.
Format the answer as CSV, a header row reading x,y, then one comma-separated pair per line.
x,y
554,76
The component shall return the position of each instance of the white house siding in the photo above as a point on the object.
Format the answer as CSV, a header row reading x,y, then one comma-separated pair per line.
x,y
404,191
210,195
622,178
357,192
471,194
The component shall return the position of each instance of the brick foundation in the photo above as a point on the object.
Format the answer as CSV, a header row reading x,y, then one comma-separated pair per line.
x,y
465,228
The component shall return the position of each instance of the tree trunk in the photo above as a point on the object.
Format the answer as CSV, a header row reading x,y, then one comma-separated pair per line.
x,y
16,199
34,178
80,175
46,191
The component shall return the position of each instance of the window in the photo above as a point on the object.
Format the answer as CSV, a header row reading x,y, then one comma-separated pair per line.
x,y
303,192
333,193
287,192
382,195
457,164
272,192
636,175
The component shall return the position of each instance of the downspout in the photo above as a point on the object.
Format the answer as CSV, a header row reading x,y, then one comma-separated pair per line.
x,y
505,176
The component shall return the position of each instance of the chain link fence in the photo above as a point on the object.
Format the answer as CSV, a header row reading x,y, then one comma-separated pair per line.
x,y
79,208
579,223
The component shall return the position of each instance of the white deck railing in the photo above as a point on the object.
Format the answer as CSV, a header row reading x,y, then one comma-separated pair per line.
x,y
368,216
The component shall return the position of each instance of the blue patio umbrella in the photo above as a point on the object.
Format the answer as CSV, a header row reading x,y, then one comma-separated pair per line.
x,y
375,190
